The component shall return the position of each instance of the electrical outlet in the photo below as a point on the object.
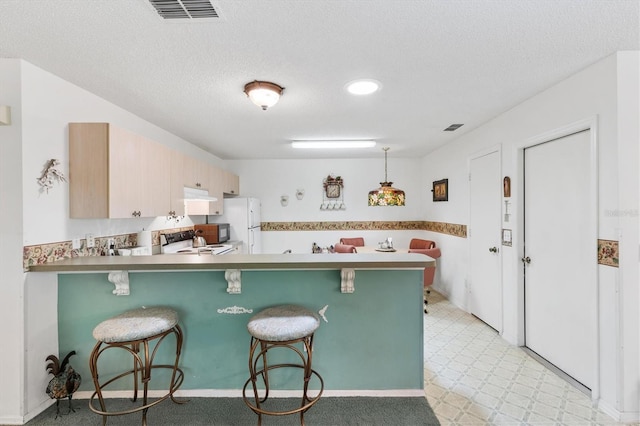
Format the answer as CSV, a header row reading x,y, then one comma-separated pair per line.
x,y
76,244
91,241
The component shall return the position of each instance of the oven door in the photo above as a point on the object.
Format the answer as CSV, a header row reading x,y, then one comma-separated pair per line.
x,y
223,232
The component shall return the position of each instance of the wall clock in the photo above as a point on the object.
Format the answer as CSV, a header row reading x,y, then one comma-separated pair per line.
x,y
333,190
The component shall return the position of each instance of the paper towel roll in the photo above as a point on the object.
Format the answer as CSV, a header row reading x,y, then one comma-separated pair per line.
x,y
144,239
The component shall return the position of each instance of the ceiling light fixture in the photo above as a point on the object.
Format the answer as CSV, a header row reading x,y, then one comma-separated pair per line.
x,y
333,144
386,195
363,86
263,93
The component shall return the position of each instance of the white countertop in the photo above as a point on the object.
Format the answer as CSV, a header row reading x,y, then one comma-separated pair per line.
x,y
239,261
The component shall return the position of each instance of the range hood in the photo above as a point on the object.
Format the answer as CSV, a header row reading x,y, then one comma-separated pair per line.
x,y
197,201
193,194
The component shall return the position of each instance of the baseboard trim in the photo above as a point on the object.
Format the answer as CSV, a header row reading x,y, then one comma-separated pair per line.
x,y
237,393
623,417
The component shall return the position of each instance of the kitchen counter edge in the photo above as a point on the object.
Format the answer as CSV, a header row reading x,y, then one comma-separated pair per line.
x,y
238,261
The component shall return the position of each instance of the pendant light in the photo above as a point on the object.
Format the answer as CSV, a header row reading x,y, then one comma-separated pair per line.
x,y
386,195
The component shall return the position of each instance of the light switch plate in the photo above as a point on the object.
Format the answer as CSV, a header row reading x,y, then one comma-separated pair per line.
x,y
76,244
91,241
506,237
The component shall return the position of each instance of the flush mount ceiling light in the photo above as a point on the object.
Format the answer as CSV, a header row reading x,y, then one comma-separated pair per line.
x,y
333,144
386,195
263,93
363,86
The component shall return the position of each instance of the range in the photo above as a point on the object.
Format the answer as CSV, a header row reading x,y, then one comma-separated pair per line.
x,y
182,243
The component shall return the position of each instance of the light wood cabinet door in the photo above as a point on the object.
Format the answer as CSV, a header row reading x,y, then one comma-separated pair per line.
x,y
231,183
114,173
156,179
178,179
125,173
216,185
196,173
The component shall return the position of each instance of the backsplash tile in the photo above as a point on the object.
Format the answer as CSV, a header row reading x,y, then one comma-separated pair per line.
x,y
50,252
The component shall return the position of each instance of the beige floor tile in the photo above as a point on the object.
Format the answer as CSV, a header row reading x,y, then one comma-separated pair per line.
x,y
474,377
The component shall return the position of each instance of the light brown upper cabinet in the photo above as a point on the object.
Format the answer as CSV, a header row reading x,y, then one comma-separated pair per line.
x,y
114,173
216,186
196,173
231,183
178,180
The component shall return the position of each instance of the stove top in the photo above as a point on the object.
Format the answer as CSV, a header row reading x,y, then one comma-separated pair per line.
x,y
182,243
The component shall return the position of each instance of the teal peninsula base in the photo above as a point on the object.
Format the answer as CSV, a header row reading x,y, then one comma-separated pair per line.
x,y
369,342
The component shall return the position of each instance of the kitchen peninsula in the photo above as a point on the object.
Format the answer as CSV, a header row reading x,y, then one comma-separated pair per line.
x,y
370,340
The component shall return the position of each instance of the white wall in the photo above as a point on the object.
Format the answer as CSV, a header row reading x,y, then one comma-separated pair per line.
x,y
42,106
50,103
595,91
269,179
11,275
628,107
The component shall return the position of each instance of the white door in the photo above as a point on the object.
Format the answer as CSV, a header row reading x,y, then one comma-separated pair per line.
x,y
559,290
485,283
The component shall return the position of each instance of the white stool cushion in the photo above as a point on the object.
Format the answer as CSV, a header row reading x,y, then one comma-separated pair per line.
x,y
136,324
282,323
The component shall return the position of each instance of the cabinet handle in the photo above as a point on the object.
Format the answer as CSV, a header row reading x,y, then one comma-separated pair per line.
x,y
493,249
136,213
526,260
198,185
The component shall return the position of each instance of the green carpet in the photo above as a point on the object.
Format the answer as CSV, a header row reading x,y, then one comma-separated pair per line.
x,y
329,411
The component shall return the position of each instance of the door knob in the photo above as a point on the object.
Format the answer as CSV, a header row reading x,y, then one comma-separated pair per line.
x,y
493,249
526,260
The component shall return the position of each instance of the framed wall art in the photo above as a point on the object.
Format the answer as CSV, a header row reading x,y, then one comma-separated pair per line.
x,y
441,190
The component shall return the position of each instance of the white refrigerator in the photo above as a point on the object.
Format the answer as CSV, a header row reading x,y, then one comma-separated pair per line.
x,y
243,216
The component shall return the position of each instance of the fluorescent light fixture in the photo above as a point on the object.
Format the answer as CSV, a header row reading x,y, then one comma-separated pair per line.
x,y
333,144
363,86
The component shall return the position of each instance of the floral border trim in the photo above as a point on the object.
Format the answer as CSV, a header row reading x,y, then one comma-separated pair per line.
x,y
608,253
456,230
51,252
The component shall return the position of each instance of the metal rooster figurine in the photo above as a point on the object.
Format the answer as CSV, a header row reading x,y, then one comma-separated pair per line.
x,y
65,381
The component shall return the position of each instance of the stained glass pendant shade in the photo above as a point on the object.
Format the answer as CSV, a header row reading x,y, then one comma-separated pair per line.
x,y
386,195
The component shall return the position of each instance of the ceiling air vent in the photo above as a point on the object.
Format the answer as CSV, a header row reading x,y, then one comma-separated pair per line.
x,y
184,9
453,127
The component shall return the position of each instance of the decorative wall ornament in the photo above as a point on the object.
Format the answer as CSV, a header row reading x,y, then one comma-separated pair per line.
x,y
441,190
347,279
234,281
332,196
322,312
234,310
506,187
121,280
50,175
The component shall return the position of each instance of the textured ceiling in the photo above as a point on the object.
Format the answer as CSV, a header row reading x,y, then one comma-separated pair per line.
x,y
440,62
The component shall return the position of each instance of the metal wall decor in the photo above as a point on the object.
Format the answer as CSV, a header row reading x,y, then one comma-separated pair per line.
x,y
333,193
49,175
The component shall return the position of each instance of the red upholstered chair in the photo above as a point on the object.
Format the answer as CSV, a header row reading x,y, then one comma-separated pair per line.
x,y
358,242
417,243
344,248
430,250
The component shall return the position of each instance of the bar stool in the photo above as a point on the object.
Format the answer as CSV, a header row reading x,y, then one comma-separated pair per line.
x,y
281,326
128,331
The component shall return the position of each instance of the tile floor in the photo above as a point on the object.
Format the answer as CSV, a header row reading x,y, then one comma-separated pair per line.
x,y
474,377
